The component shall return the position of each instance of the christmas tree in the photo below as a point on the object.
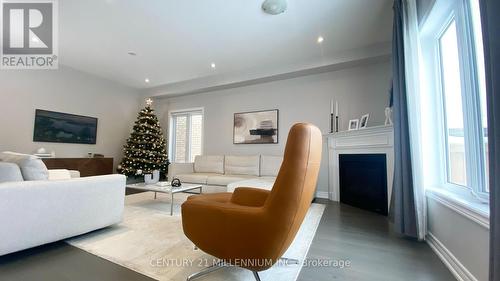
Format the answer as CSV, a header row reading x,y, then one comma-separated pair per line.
x,y
146,148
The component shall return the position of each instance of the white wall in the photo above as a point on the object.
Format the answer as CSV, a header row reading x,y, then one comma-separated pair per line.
x,y
465,239
358,90
65,90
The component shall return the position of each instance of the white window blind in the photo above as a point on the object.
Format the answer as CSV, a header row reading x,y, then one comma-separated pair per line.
x,y
186,135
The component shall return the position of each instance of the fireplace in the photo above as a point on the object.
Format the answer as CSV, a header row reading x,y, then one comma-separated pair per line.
x,y
363,181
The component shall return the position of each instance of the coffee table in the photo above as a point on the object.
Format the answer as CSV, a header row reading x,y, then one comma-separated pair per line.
x,y
168,189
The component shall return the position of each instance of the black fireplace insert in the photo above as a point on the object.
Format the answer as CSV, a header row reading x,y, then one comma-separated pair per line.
x,y
363,181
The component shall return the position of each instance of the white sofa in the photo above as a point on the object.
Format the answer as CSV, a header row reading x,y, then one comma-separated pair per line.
x,y
39,211
229,171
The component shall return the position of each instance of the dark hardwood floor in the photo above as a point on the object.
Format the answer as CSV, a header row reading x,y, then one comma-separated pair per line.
x,y
345,234
375,253
62,262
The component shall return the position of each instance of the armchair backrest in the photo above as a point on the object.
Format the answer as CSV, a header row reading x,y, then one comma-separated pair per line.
x,y
295,185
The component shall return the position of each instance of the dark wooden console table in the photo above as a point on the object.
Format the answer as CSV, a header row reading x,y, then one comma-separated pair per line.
x,y
86,166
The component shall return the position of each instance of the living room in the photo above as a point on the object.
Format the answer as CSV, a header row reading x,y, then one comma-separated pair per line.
x,y
243,140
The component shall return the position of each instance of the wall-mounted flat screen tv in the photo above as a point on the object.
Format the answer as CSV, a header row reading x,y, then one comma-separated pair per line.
x,y
64,128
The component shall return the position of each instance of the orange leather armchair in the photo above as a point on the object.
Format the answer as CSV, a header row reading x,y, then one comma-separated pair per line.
x,y
252,228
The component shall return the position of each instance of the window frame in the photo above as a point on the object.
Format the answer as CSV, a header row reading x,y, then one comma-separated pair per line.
x,y
443,110
437,23
189,112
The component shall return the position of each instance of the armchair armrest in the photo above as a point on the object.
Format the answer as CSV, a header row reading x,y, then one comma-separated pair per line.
x,y
175,169
247,196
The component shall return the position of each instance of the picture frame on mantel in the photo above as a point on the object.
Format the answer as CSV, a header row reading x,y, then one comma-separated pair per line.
x,y
256,127
353,124
363,123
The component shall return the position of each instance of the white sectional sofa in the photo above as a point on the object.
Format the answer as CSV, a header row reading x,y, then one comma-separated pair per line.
x,y
229,171
39,206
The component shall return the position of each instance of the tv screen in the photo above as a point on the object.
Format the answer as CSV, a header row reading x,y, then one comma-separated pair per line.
x,y
65,128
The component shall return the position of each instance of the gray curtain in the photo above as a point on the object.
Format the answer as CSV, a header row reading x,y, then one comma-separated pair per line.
x,y
403,212
490,10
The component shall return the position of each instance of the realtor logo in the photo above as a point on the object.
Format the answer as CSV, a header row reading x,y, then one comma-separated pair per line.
x,y
29,34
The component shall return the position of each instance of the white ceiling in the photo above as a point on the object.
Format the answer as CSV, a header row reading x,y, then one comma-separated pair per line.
x,y
177,40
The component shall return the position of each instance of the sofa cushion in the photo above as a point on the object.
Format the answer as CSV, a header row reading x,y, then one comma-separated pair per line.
x,y
10,172
209,164
59,174
270,165
32,168
74,174
255,183
199,178
227,179
242,165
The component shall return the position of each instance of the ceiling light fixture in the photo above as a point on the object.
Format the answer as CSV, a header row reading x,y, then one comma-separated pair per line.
x,y
274,7
146,80
212,65
321,39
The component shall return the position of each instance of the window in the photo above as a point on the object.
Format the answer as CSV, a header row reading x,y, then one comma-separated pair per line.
x,y
453,67
453,109
186,135
481,80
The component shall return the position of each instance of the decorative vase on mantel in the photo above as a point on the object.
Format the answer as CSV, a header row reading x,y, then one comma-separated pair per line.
x,y
153,178
388,116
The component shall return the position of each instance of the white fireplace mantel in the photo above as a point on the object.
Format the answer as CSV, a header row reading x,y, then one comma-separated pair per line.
x,y
372,140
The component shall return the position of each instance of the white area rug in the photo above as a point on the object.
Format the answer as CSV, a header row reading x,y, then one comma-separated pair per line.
x,y
151,242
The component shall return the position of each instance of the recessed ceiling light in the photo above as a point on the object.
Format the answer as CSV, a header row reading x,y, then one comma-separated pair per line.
x,y
212,65
146,80
132,53
321,39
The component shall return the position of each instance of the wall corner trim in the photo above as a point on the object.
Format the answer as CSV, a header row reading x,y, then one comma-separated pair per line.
x,y
458,270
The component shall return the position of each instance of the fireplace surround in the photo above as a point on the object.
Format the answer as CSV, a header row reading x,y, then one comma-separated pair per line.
x,y
373,140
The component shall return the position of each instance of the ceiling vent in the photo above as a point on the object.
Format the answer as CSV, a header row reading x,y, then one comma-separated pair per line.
x,y
274,7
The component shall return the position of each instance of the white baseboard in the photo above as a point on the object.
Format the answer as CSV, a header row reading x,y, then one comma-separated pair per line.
x,y
322,194
454,265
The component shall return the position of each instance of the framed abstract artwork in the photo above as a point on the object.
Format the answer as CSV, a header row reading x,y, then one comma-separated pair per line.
x,y
256,127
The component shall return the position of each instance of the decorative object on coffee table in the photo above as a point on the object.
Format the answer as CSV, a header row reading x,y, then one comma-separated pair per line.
x,y
256,127
152,178
146,148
